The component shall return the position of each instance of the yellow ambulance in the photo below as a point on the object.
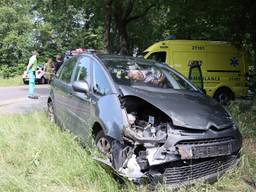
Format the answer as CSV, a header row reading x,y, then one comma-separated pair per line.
x,y
218,68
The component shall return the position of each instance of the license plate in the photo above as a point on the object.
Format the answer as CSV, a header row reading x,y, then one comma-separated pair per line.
x,y
203,151
211,150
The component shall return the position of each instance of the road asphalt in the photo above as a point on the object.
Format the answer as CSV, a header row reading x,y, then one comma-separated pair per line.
x,y
15,99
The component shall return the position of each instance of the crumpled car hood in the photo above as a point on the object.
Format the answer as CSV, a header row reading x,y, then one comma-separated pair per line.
x,y
186,109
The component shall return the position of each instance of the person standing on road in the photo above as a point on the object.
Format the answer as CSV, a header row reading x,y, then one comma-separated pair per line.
x,y
31,70
48,69
58,63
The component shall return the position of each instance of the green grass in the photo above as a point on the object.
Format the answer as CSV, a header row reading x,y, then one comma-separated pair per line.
x,y
14,81
35,155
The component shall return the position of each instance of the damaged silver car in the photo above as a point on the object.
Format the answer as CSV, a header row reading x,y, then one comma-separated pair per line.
x,y
150,121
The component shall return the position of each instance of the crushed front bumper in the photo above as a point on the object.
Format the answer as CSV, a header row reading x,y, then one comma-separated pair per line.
x,y
190,156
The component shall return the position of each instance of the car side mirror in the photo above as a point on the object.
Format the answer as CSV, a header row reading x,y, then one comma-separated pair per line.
x,y
81,86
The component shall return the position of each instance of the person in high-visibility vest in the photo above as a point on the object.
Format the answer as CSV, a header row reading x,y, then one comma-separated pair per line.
x,y
31,70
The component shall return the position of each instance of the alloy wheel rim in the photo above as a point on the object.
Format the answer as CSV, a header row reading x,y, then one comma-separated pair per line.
x,y
50,113
104,145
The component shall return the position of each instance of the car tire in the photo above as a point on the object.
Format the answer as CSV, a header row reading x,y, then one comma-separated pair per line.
x,y
51,113
43,80
103,143
25,82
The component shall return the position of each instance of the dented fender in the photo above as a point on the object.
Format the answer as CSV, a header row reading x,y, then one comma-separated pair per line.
x,y
112,116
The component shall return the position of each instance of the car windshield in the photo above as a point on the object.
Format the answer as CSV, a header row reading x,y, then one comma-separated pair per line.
x,y
133,72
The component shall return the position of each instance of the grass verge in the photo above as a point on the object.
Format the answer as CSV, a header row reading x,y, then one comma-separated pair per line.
x,y
14,81
37,156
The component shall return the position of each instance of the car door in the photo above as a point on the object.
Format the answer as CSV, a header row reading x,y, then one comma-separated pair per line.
x,y
62,92
81,102
102,89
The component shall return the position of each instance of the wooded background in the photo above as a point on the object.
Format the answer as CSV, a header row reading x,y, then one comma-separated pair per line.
x,y
53,26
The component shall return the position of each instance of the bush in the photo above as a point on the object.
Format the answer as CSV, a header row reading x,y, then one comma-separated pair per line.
x,y
244,114
11,71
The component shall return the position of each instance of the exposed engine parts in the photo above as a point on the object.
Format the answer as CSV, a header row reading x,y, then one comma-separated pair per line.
x,y
142,132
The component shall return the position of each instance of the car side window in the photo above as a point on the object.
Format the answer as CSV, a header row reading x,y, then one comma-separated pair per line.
x,y
101,84
67,70
83,70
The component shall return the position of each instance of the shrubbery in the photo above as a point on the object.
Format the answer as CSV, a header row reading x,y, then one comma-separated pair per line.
x,y
244,114
11,71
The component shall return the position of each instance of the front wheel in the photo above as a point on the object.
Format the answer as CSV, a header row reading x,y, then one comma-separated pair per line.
x,y
103,143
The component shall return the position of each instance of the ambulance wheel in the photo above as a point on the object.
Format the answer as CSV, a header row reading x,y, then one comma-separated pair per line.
x,y
224,96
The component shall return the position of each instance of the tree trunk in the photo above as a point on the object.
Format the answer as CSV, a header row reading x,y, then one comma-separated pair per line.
x,y
123,16
123,38
121,23
107,24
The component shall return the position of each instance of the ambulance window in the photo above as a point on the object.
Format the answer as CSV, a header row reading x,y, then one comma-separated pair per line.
x,y
158,56
195,73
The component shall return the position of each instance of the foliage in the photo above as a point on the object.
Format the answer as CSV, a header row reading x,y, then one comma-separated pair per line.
x,y
65,25
53,26
244,113
14,35
11,71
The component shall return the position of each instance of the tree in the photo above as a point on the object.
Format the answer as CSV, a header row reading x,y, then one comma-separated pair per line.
x,y
67,24
107,25
123,12
53,26
15,32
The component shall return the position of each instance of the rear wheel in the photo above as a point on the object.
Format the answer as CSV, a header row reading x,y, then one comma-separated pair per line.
x,y
224,96
50,112
103,143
